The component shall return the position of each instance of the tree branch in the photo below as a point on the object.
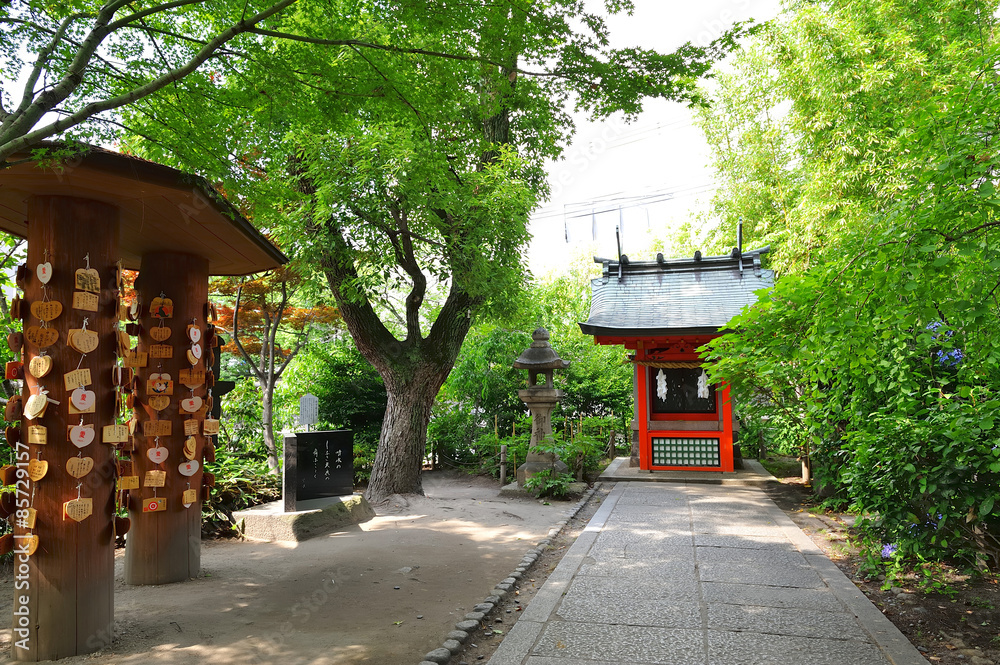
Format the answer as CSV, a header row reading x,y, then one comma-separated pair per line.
x,y
156,9
236,333
18,128
43,55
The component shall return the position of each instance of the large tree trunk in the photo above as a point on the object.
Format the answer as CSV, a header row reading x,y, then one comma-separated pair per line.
x,y
403,441
413,370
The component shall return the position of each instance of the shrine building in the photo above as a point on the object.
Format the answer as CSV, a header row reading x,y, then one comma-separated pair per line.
x,y
664,310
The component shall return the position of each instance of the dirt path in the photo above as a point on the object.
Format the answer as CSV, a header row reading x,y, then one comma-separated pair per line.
x,y
383,592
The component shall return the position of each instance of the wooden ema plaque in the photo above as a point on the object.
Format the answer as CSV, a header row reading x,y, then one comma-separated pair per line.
x,y
69,586
162,542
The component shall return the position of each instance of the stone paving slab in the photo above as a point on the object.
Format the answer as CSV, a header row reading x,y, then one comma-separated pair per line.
x,y
797,622
730,648
777,542
769,596
635,603
570,642
738,584
800,577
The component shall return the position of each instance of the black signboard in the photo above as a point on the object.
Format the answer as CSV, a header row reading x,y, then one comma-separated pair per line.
x,y
318,464
679,392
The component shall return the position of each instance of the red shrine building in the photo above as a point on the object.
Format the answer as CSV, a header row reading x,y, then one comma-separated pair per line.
x,y
663,310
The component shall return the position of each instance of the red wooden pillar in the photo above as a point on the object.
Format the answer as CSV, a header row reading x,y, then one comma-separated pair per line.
x,y
165,546
63,592
726,436
642,413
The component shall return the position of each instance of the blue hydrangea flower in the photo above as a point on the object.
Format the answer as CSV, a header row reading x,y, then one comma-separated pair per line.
x,y
889,550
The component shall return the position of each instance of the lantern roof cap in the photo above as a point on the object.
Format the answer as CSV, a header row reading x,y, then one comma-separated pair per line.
x,y
540,355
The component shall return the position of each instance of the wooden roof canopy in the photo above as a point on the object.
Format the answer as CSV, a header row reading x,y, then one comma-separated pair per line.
x,y
162,209
688,296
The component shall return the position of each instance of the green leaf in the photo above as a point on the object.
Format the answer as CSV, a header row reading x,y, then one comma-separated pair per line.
x,y
986,507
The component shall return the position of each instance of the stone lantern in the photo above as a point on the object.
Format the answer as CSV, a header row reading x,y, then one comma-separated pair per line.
x,y
540,359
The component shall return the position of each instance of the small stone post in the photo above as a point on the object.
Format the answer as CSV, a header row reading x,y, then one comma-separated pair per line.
x,y
540,358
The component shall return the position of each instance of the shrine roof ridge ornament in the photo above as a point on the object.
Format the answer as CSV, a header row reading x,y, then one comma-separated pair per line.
x,y
625,266
162,208
685,296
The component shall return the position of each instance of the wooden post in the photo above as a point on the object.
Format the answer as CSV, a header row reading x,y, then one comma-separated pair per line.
x,y
64,594
503,465
165,546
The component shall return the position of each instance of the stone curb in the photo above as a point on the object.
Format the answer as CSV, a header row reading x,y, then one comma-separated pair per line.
x,y
457,637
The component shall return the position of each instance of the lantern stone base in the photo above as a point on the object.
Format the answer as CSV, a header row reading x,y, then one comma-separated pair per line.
x,y
536,462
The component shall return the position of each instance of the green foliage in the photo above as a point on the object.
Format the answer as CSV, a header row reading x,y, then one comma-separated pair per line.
x,y
241,471
351,395
549,483
479,400
880,353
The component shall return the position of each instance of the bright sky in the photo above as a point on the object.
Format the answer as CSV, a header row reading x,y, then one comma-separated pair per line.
x,y
656,168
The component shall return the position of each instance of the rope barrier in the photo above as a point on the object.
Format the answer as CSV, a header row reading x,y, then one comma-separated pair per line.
x,y
669,364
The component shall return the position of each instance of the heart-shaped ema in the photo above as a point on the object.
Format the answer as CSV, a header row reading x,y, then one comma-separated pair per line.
x,y
35,406
40,366
192,378
160,334
82,398
82,436
78,467
41,337
46,310
161,308
194,333
83,341
30,544
191,404
122,525
190,447
158,402
44,272
160,383
78,509
15,341
189,468
157,455
191,357
37,469
14,410
15,308
88,279
189,497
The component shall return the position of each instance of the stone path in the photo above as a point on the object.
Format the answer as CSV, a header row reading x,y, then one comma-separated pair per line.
x,y
699,574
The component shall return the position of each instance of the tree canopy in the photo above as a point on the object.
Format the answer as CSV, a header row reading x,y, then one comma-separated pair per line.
x,y
866,154
404,173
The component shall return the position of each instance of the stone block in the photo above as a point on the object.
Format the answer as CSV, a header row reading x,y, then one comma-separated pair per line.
x,y
269,522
